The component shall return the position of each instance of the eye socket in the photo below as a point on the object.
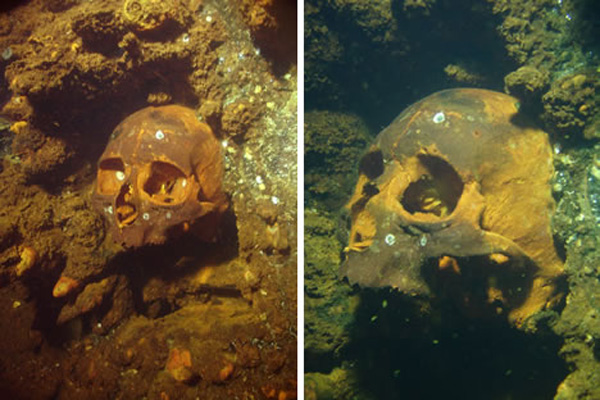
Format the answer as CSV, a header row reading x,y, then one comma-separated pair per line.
x,y
372,164
437,192
111,174
167,184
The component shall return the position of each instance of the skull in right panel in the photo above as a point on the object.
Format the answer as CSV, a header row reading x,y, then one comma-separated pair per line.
x,y
454,197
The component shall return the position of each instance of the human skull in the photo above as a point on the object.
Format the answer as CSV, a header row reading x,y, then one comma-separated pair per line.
x,y
160,173
455,192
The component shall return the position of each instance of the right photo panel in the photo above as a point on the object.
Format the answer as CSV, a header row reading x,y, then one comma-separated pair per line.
x,y
452,199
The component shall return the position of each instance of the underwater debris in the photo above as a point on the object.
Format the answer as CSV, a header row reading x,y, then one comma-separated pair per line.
x,y
179,364
28,259
91,297
64,286
7,54
470,184
463,74
226,372
161,173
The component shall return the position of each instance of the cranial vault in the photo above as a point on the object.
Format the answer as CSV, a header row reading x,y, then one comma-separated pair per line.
x,y
454,197
160,174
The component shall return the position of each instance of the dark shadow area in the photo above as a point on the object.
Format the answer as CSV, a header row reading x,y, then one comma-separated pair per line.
x,y
168,263
376,80
47,307
279,45
586,26
99,34
525,119
479,287
403,350
320,362
171,263
8,5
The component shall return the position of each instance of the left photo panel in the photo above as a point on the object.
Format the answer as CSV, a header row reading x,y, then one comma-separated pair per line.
x,y
148,218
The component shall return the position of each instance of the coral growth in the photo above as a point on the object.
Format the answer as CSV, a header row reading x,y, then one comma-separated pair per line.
x,y
334,143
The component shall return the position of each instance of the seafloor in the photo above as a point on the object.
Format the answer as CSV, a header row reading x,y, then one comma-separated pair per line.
x,y
366,62
85,318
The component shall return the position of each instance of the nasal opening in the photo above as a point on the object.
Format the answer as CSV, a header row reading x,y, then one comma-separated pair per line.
x,y
126,211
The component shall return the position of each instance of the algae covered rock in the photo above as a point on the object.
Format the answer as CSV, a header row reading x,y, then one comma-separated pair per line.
x,y
334,143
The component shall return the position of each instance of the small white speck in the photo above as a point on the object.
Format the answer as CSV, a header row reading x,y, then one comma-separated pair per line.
x,y
224,143
423,241
185,38
557,148
568,17
259,179
120,175
274,200
99,325
184,183
241,56
439,118
168,215
390,239
146,216
108,210
257,52
208,18
160,135
221,60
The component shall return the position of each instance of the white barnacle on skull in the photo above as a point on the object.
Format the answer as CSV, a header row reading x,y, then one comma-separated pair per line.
x,y
439,117
390,239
